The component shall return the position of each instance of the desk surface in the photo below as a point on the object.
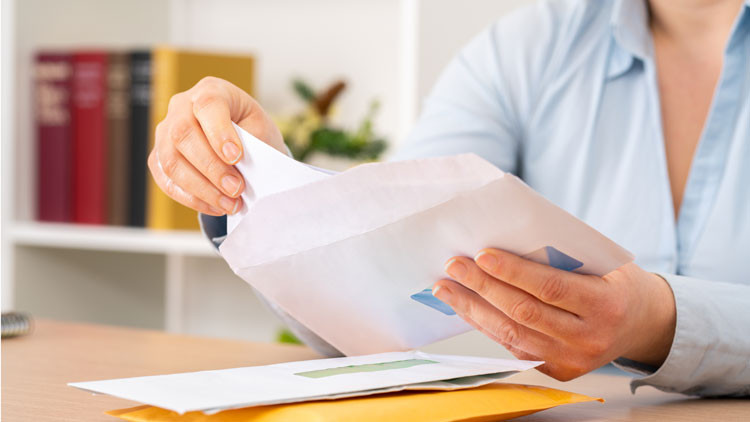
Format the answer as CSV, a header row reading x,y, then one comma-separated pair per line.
x,y
36,368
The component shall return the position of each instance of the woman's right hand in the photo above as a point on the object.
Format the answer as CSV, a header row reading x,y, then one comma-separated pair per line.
x,y
196,145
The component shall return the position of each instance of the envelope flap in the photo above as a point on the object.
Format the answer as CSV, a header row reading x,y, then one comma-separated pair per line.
x,y
348,204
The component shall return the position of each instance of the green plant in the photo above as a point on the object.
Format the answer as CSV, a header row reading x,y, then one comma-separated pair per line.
x,y
312,131
285,336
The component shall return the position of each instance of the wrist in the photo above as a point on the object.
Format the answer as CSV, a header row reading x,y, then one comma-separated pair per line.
x,y
654,334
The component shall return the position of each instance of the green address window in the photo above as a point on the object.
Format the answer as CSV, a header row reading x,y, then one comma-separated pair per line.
x,y
370,367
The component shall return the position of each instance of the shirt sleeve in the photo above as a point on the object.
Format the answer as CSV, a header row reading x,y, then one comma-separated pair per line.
x,y
710,353
473,107
215,228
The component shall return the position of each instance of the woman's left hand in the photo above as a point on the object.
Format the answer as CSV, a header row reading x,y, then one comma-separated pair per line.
x,y
575,323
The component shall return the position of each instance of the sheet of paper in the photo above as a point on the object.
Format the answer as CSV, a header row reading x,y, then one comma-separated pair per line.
x,y
267,171
353,256
213,391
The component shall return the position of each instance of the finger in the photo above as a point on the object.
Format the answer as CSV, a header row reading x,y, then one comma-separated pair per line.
x,y
188,137
564,289
502,329
559,361
211,105
518,353
175,192
260,125
183,175
520,306
553,369
194,146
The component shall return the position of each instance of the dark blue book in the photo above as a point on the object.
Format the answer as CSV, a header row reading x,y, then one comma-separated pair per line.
x,y
140,104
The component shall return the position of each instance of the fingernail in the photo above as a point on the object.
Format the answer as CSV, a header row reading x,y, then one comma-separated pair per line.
x,y
231,185
486,260
237,206
456,269
231,152
228,204
441,293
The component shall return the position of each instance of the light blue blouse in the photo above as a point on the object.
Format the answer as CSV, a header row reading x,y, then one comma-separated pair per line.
x,y
564,94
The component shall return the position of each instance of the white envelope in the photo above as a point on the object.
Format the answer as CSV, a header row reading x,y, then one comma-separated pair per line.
x,y
214,391
351,255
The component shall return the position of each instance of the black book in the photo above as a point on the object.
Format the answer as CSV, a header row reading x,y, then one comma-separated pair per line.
x,y
140,104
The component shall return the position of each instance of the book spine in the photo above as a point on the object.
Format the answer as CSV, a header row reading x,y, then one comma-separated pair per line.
x,y
164,84
118,128
53,74
89,137
140,104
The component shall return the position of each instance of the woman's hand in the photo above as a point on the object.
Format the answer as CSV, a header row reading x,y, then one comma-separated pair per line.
x,y
196,146
575,323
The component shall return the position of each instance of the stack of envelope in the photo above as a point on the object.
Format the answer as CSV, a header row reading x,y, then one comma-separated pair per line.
x,y
390,386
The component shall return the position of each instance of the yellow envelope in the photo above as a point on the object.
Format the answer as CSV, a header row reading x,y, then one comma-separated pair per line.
x,y
489,402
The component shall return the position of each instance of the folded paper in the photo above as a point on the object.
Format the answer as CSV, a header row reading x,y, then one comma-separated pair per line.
x,y
345,254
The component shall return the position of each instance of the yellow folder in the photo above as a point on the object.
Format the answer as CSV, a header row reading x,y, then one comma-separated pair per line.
x,y
487,403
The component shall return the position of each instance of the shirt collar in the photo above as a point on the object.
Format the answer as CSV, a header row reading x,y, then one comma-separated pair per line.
x,y
630,29
631,36
741,26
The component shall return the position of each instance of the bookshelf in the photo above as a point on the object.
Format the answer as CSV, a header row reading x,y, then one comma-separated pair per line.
x,y
392,50
113,239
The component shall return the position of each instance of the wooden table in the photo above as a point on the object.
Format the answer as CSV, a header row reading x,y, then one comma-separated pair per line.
x,y
36,368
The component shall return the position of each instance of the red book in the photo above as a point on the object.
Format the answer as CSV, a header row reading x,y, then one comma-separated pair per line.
x,y
53,75
89,112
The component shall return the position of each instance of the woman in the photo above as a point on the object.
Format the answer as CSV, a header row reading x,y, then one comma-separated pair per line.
x,y
633,115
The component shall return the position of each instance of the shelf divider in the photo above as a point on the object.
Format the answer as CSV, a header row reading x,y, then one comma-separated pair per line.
x,y
174,303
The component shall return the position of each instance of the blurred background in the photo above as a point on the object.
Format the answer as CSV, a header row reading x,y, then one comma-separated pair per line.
x,y
85,237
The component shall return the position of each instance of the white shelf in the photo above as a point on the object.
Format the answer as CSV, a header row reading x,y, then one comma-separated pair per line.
x,y
117,239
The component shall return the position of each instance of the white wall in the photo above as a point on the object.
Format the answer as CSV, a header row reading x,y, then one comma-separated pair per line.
x,y
446,25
